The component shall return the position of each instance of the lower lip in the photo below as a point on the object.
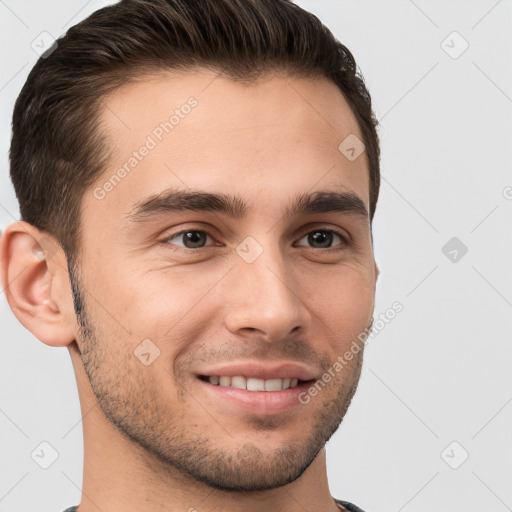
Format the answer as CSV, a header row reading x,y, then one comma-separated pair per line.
x,y
258,402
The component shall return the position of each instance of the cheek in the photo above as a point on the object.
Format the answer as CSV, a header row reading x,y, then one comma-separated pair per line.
x,y
170,309
343,303
165,299
139,294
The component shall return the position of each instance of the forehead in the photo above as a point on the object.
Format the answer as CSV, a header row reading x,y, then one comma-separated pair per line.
x,y
196,130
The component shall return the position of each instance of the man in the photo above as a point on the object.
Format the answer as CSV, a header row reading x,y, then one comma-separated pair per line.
x,y
197,182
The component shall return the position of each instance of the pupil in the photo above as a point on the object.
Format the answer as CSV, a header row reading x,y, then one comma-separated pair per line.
x,y
321,237
191,236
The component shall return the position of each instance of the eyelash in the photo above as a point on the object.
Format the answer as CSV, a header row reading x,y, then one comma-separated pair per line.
x,y
165,241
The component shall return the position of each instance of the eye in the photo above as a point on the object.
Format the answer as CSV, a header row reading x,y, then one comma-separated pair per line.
x,y
324,238
192,238
196,239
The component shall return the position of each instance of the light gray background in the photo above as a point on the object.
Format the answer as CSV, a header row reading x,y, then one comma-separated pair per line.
x,y
441,370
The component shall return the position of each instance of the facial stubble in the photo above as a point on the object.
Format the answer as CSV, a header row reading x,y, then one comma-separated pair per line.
x,y
130,401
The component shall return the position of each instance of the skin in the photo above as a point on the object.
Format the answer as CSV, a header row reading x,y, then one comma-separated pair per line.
x,y
153,439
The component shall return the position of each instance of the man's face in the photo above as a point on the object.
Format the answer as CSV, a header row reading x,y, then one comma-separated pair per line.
x,y
255,293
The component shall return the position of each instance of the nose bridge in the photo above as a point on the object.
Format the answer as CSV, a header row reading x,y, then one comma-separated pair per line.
x,y
264,294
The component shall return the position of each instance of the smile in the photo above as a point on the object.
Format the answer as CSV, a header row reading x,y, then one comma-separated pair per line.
x,y
251,383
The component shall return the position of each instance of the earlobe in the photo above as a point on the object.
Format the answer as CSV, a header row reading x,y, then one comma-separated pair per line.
x,y
32,266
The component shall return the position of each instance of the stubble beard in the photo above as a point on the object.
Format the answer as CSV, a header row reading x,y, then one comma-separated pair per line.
x,y
131,403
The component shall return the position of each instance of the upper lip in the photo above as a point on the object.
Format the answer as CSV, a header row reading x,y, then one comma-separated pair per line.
x,y
283,369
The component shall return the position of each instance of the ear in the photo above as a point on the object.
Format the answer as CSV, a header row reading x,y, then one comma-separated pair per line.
x,y
35,280
377,271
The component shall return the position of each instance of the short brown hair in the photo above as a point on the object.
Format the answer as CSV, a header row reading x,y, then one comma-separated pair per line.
x,y
57,150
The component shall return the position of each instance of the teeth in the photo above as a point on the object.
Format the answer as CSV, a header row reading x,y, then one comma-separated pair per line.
x,y
238,382
273,385
253,384
225,381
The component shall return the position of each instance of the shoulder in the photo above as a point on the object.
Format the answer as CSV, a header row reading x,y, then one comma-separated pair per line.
x,y
349,506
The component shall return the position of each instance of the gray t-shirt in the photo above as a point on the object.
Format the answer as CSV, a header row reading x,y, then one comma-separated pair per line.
x,y
349,506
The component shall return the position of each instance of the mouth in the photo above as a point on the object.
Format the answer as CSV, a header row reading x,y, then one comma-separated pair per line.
x,y
254,384
256,388
257,396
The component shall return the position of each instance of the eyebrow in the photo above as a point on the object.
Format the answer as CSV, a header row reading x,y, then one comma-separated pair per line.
x,y
178,200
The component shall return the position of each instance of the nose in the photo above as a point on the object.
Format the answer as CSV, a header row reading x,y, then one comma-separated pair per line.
x,y
264,298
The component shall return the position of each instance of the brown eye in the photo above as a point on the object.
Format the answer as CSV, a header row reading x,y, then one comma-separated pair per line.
x,y
323,239
192,238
